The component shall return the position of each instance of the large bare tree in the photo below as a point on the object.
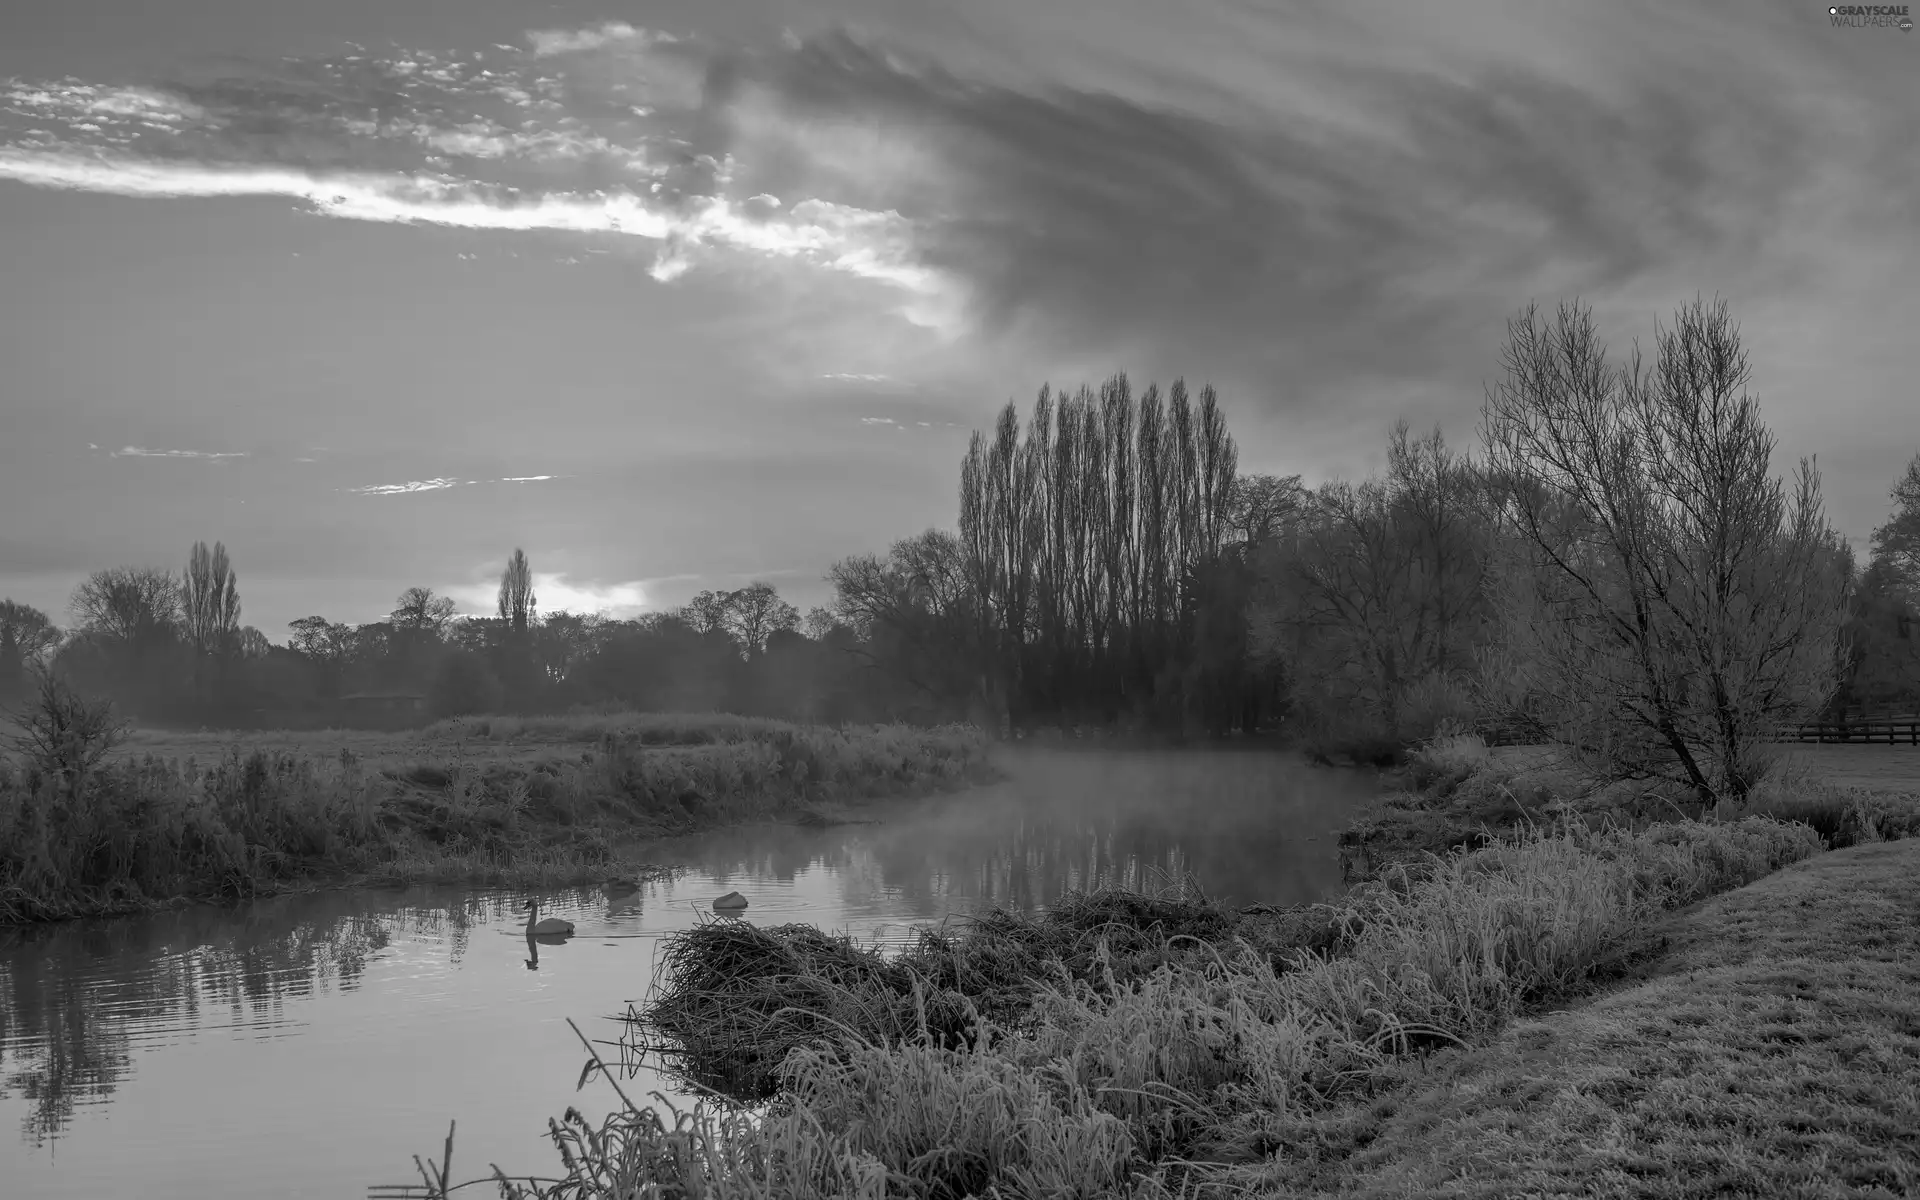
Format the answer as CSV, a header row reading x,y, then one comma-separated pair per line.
x,y
1667,604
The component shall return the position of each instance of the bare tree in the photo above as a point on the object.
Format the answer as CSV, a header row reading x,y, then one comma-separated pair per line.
x,y
1897,543
564,640
250,643
1666,604
26,637
1262,506
516,592
133,605
419,611
210,599
818,623
756,612
707,612
324,641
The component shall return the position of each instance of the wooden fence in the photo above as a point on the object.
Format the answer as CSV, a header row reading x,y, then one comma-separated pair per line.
x,y
1887,733
1880,731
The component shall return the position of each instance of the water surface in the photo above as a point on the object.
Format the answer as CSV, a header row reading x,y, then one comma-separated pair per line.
x,y
308,1046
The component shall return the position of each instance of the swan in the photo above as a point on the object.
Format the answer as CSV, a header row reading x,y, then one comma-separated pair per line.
x,y
729,902
550,925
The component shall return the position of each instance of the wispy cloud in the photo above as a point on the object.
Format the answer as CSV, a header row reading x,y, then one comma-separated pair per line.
x,y
440,484
399,489
852,377
143,452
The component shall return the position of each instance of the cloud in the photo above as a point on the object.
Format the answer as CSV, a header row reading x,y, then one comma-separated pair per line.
x,y
440,484
143,452
398,489
1317,212
850,377
549,42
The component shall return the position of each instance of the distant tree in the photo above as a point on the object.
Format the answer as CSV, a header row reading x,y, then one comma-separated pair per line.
x,y
419,611
707,611
754,613
1665,603
818,623
209,599
1262,505
250,643
133,605
1882,669
26,638
1896,544
321,640
563,641
481,635
909,618
1381,586
516,600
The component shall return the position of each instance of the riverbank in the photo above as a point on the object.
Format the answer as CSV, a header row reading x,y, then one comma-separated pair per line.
x,y
1769,1048
1130,1046
1457,794
171,817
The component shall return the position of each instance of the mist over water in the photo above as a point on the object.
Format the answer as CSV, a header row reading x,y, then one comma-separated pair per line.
x,y
309,1045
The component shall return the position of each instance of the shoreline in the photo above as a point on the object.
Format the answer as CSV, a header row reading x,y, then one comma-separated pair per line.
x,y
568,804
1408,1012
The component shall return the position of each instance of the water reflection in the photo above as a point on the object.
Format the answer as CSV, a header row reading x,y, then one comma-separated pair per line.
x,y
365,1019
76,999
1248,830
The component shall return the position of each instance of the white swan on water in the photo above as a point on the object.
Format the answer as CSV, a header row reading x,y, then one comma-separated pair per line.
x,y
550,925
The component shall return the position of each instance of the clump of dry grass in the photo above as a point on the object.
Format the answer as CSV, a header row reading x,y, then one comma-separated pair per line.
x,y
732,999
729,1000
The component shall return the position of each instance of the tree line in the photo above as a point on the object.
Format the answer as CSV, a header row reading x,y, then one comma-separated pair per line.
x,y
1617,567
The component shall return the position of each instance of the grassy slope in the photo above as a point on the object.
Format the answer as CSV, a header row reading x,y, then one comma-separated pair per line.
x,y
1772,1049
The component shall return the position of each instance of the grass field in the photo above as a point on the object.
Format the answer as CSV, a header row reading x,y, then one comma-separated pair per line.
x,y
1891,768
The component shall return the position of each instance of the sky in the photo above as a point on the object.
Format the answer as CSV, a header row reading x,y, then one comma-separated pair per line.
x,y
681,295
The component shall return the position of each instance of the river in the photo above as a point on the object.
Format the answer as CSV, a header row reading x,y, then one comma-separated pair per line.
x,y
310,1045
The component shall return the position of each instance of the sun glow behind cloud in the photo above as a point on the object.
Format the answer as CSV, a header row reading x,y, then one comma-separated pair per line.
x,y
555,592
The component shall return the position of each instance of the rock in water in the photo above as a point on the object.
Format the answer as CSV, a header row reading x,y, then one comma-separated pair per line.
x,y
731,902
